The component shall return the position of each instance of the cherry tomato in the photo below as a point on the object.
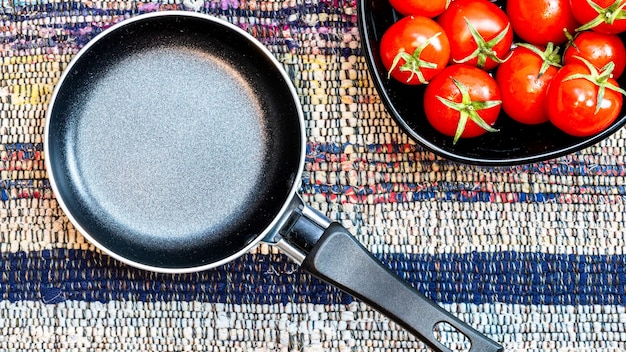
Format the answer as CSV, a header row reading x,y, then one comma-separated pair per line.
x,y
426,8
604,16
479,33
462,101
524,79
583,101
599,49
414,49
541,21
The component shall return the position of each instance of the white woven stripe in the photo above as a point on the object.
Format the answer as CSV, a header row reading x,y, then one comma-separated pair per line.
x,y
193,326
413,228
459,227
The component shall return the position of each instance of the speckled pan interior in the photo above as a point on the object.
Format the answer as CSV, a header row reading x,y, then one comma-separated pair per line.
x,y
173,141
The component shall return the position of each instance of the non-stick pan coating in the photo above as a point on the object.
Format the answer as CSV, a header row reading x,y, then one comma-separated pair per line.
x,y
174,141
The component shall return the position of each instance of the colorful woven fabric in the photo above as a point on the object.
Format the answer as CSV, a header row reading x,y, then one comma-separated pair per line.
x,y
533,256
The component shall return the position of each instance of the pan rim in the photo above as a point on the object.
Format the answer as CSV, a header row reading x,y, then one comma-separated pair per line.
x,y
290,195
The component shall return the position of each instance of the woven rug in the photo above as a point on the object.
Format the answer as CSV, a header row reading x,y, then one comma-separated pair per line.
x,y
531,255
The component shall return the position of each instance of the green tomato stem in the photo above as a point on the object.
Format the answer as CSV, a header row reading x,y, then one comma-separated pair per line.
x,y
598,78
468,110
413,63
605,15
484,49
550,56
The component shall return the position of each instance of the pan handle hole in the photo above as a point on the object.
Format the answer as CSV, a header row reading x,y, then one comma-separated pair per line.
x,y
451,337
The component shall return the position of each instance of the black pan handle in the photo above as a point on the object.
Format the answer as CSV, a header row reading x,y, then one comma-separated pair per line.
x,y
341,260
336,257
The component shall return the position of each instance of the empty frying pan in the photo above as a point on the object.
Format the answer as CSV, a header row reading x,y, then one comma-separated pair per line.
x,y
175,142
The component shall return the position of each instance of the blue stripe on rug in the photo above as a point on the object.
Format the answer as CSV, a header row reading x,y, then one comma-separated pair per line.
x,y
508,277
577,166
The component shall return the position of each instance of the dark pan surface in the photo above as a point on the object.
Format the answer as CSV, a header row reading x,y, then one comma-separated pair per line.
x,y
173,142
516,143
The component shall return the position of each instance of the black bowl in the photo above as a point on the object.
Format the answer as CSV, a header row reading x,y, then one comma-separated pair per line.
x,y
514,144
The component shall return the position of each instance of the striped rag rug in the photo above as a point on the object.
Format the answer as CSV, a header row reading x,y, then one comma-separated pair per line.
x,y
530,255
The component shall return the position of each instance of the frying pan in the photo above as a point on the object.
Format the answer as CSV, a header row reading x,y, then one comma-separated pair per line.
x,y
175,143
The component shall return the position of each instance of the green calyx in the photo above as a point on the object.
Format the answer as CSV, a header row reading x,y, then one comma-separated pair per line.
x,y
413,63
468,110
550,56
605,15
484,49
570,40
599,78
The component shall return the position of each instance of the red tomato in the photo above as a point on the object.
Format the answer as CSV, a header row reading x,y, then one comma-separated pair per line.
x,y
426,8
604,16
541,21
524,79
414,49
576,104
491,41
599,49
462,101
